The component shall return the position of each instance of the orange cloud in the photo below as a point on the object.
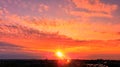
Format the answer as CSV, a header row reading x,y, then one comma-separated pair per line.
x,y
34,27
82,48
1,12
12,24
36,34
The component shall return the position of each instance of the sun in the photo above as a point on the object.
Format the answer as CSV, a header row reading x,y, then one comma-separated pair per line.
x,y
62,59
59,54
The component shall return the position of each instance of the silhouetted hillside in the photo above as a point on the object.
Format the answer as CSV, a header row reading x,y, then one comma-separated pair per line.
x,y
54,63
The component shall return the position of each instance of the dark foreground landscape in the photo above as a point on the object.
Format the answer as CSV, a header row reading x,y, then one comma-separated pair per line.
x,y
56,63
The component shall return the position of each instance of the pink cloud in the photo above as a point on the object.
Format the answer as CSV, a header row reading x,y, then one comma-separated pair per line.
x,y
43,7
95,6
44,34
89,14
36,34
91,8
1,12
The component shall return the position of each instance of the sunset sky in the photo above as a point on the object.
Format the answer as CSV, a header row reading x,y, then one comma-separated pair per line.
x,y
81,29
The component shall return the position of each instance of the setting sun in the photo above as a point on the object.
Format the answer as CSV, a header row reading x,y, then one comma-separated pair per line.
x,y
59,54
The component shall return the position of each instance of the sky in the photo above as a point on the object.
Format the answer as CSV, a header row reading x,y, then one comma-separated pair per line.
x,y
81,29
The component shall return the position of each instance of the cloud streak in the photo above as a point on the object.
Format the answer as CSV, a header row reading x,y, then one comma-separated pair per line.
x,y
91,8
95,6
13,51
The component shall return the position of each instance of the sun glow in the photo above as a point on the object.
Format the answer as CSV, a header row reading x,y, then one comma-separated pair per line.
x,y
62,58
59,54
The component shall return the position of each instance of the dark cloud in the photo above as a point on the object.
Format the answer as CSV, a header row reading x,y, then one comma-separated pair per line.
x,y
105,56
17,55
24,32
118,33
11,51
5,45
